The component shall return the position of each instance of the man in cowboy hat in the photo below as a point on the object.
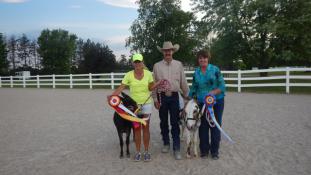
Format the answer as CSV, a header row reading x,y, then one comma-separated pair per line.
x,y
167,100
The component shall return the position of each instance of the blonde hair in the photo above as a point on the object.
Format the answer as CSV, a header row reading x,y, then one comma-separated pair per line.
x,y
144,66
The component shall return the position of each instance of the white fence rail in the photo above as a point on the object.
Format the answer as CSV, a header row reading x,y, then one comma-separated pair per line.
x,y
281,77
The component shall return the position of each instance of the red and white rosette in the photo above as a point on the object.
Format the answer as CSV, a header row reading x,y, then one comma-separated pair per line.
x,y
115,102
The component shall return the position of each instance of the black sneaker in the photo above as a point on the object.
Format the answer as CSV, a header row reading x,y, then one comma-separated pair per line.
x,y
215,157
204,156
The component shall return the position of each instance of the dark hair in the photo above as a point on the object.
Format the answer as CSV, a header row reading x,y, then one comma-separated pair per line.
x,y
204,53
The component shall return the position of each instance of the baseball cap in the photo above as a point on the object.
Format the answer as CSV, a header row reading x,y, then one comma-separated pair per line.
x,y
137,57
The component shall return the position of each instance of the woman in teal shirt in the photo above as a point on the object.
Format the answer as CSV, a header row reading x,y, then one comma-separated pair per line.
x,y
207,79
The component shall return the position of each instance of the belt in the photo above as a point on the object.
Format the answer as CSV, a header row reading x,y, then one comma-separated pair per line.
x,y
169,93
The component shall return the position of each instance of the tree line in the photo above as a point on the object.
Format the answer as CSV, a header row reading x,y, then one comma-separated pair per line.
x,y
57,52
241,34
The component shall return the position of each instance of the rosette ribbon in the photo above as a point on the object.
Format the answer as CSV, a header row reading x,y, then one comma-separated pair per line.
x,y
164,85
210,100
115,103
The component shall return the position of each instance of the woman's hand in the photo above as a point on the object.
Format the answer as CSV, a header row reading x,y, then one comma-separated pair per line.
x,y
154,85
215,91
108,97
157,83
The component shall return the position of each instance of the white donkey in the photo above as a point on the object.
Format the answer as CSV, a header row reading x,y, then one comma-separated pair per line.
x,y
192,120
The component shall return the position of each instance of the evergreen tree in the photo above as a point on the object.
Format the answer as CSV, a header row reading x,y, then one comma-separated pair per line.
x,y
3,56
56,48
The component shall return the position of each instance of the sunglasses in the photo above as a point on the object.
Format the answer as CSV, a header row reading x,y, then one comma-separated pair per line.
x,y
137,61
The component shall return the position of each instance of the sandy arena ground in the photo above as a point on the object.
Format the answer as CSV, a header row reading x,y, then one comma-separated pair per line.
x,y
70,132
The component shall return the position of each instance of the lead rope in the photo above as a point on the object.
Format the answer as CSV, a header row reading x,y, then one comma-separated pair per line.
x,y
164,86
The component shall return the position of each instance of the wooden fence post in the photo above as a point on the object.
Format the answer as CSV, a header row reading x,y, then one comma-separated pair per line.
x,y
90,80
70,77
38,81
239,80
11,81
53,76
24,82
287,79
112,80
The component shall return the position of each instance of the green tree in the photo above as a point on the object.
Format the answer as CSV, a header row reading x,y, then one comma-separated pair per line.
x,y
56,48
292,40
24,50
97,58
262,33
124,64
12,46
33,51
160,21
3,56
76,61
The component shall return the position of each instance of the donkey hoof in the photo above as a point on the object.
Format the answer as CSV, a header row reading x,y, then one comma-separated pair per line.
x,y
188,156
128,155
121,156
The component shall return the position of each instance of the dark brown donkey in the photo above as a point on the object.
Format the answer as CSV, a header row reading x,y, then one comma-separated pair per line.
x,y
124,126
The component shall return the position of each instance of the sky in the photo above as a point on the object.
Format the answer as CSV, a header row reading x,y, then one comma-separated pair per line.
x,y
105,21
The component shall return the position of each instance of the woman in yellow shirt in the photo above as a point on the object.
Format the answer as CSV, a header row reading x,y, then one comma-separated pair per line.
x,y
141,83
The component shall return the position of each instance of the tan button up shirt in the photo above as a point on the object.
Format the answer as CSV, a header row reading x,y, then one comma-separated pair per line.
x,y
174,73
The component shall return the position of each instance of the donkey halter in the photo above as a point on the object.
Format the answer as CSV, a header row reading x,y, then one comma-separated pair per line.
x,y
196,117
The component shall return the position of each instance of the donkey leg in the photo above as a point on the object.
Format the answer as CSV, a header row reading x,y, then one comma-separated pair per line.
x,y
188,143
121,144
128,143
188,155
182,129
195,143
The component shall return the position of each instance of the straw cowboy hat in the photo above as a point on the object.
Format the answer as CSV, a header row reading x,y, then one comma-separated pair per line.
x,y
168,45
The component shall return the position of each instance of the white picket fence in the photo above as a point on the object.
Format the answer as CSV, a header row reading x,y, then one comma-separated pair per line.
x,y
281,77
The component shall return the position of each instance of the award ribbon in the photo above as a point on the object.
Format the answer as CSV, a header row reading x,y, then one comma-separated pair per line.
x,y
115,103
210,100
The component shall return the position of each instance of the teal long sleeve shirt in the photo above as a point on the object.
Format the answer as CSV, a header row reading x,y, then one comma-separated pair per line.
x,y
203,83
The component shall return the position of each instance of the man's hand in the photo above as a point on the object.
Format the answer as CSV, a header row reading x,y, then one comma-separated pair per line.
x,y
157,105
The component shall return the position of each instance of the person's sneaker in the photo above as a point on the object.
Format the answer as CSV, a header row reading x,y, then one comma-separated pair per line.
x,y
204,156
177,155
137,157
215,157
147,156
165,149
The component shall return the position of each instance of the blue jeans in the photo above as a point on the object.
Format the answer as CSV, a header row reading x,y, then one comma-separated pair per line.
x,y
171,105
205,145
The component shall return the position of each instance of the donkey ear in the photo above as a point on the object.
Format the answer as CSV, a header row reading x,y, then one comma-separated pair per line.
x,y
124,95
195,98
